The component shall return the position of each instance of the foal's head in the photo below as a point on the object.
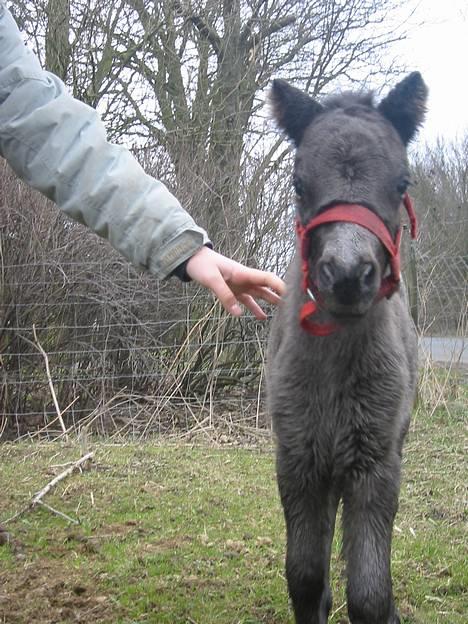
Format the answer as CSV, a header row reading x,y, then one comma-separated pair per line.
x,y
349,151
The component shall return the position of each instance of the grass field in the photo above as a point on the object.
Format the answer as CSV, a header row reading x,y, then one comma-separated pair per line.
x,y
171,533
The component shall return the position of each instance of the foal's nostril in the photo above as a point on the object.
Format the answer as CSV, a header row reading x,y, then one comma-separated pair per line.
x,y
367,276
326,275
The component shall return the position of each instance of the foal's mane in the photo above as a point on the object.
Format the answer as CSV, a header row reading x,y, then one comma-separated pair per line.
x,y
350,101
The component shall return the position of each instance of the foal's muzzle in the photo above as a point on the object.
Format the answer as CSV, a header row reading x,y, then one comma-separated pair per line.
x,y
348,284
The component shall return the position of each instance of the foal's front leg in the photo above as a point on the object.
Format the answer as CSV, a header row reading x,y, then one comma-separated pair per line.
x,y
309,512
369,507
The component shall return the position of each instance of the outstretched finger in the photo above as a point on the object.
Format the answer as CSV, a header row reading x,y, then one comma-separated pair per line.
x,y
253,306
266,294
255,278
221,290
276,284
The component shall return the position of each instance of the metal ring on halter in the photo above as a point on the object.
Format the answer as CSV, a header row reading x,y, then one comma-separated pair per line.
x,y
309,292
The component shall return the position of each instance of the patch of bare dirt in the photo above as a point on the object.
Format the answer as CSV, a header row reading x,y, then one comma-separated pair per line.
x,y
43,592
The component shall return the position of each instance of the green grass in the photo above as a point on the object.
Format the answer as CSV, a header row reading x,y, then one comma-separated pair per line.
x,y
179,534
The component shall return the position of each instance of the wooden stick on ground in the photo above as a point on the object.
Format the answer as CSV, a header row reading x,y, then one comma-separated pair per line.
x,y
37,498
63,475
58,513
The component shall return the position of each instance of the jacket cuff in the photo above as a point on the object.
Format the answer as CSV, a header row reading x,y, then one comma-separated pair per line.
x,y
178,250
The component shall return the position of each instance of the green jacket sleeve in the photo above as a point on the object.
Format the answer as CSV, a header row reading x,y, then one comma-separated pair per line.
x,y
58,145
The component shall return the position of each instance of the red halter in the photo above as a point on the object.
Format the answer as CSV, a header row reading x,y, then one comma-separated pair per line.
x,y
350,213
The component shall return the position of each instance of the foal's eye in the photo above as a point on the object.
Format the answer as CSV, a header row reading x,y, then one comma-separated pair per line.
x,y
298,187
403,185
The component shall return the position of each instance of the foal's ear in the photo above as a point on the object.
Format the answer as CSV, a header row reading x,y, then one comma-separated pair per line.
x,y
293,109
405,106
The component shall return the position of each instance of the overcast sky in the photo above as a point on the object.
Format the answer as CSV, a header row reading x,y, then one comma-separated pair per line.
x,y
439,50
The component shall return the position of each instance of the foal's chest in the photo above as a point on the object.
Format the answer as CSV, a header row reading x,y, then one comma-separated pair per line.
x,y
355,418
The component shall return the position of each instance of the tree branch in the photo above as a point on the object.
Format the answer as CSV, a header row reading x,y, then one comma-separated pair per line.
x,y
205,30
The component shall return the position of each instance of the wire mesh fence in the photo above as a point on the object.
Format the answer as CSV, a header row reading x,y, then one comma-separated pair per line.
x,y
97,345
121,352
442,295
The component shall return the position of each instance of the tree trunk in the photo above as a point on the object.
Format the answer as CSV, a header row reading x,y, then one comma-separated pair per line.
x,y
57,45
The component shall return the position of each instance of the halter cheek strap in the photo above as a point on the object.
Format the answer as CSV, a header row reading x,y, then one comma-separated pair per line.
x,y
360,215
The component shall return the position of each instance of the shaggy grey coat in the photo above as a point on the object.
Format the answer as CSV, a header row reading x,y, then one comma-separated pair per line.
x,y
341,404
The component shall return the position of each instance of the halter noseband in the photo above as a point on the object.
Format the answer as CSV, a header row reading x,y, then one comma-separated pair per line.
x,y
350,213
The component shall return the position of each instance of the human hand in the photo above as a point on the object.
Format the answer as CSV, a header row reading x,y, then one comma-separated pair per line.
x,y
232,282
